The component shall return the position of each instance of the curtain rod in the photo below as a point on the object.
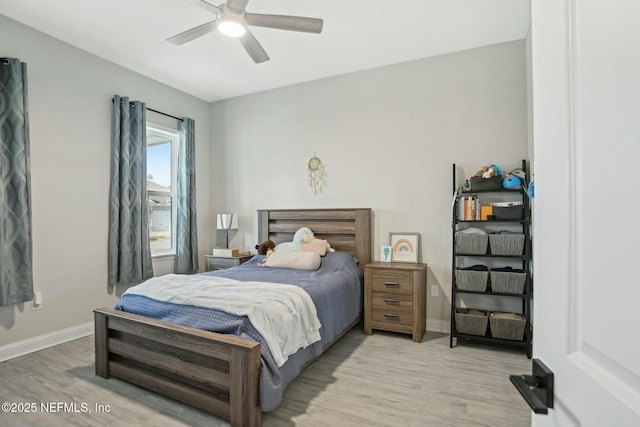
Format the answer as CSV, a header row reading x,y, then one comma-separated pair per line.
x,y
158,112
165,114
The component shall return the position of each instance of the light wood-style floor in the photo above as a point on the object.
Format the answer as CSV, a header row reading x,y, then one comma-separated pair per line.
x,y
379,380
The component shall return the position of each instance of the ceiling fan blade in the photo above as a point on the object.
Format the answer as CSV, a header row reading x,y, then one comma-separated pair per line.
x,y
253,48
194,33
206,6
285,22
238,5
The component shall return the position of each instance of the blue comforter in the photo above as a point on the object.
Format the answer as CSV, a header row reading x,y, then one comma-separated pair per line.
x,y
335,288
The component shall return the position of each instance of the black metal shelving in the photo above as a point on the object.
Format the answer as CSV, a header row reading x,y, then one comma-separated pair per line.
x,y
526,297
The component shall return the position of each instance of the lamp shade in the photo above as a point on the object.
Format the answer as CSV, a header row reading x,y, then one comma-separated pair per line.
x,y
227,221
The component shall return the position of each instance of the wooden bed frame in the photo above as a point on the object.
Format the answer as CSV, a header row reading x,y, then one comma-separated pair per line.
x,y
215,372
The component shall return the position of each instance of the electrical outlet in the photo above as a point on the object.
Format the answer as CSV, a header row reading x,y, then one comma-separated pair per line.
x,y
434,290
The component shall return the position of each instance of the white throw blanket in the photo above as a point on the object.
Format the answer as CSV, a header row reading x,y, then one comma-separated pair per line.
x,y
284,315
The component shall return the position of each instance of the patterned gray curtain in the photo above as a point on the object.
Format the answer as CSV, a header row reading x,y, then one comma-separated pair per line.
x,y
129,251
186,230
16,268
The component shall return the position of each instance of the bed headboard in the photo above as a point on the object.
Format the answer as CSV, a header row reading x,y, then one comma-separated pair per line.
x,y
347,230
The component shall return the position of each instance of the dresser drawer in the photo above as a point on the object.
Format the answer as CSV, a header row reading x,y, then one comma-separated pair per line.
x,y
392,320
390,281
394,298
219,262
392,301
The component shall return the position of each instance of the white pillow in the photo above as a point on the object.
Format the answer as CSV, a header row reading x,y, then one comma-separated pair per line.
x,y
294,260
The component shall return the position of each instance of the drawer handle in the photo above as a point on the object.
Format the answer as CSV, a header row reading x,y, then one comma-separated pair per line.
x,y
395,316
391,284
392,301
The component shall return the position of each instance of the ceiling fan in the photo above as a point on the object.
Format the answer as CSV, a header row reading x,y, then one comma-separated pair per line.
x,y
233,20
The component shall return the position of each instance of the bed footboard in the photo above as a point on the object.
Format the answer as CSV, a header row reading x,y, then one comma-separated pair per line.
x,y
210,371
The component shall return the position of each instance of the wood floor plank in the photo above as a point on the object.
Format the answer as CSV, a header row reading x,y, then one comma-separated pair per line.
x,y
380,380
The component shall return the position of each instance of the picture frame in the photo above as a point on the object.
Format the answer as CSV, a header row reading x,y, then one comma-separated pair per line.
x,y
385,254
405,246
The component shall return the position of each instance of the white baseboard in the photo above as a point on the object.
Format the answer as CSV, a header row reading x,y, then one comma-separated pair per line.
x,y
435,325
30,345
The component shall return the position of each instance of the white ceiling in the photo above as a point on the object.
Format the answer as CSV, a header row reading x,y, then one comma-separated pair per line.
x,y
357,35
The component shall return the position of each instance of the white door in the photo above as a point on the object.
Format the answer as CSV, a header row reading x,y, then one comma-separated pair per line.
x,y
586,129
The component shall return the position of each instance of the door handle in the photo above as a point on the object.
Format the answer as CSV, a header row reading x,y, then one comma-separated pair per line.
x,y
536,389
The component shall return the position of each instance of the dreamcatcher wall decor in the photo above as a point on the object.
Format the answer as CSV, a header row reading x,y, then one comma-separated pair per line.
x,y
314,175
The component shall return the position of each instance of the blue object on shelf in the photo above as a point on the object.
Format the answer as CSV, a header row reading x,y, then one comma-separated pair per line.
x,y
511,182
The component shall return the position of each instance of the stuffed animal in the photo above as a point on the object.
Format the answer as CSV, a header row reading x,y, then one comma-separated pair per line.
x,y
488,172
304,239
303,235
265,246
511,182
514,180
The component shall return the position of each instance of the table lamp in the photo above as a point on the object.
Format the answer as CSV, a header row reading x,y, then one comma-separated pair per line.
x,y
227,221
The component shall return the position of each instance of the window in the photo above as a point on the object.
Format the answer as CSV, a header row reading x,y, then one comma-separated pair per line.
x,y
162,146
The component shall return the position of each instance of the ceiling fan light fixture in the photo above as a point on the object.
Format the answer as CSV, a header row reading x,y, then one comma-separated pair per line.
x,y
232,26
232,20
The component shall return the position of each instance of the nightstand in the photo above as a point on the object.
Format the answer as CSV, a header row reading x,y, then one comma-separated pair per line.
x,y
213,262
395,298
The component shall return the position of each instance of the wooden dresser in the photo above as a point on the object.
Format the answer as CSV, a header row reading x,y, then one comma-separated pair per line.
x,y
395,298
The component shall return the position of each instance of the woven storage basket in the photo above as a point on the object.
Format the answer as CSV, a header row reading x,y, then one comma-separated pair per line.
x,y
510,281
480,184
506,243
470,243
472,280
471,324
510,327
508,212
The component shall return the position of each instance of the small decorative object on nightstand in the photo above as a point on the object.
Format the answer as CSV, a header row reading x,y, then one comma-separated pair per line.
x,y
213,262
395,298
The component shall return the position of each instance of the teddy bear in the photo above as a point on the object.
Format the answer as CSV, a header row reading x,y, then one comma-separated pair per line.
x,y
265,246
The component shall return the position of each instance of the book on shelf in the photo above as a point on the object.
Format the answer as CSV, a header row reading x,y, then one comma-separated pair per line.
x,y
468,208
485,212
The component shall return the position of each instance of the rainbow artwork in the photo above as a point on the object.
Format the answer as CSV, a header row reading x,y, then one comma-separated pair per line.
x,y
403,245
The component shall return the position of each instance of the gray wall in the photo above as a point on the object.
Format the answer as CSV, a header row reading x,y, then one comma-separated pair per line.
x,y
387,138
70,95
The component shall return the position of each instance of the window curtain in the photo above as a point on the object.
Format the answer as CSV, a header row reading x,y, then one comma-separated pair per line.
x,y
16,267
129,251
186,229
